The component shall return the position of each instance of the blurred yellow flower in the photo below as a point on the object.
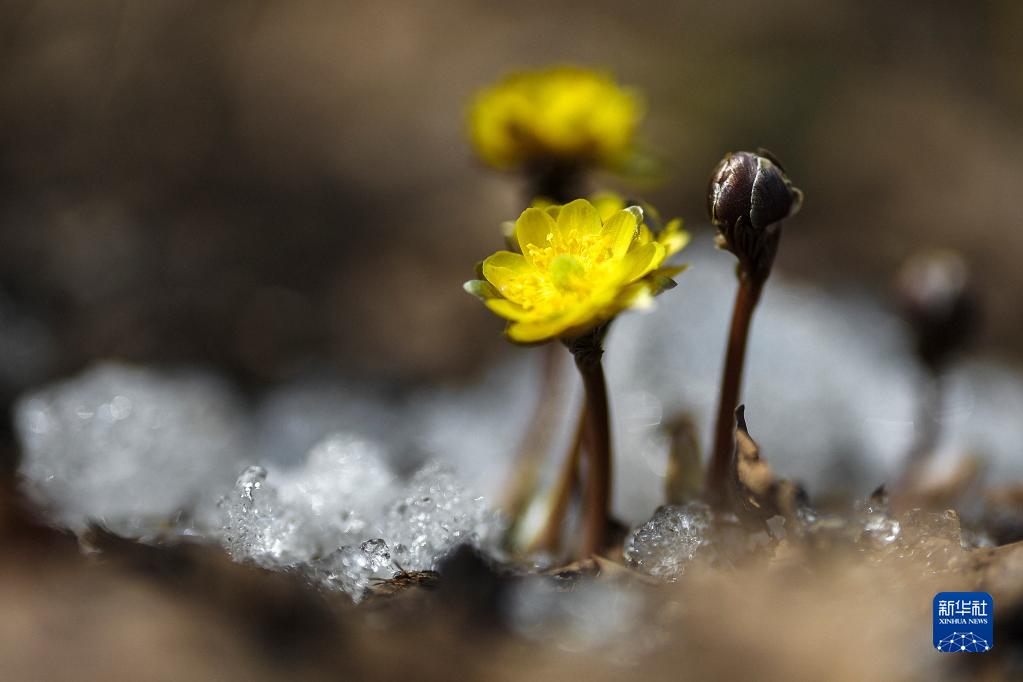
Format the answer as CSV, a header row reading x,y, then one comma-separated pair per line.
x,y
576,269
561,114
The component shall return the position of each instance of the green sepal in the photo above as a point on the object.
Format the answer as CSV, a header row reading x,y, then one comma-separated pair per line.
x,y
481,289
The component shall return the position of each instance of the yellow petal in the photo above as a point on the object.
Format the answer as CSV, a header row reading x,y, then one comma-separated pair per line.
x,y
534,227
645,236
533,331
572,321
579,215
546,205
504,266
607,204
507,309
639,295
640,261
622,229
506,260
673,237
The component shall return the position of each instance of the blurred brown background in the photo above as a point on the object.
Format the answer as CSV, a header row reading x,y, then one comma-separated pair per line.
x,y
273,187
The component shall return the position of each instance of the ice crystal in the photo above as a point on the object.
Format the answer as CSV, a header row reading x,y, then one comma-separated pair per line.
x,y
352,569
343,520
291,517
668,542
879,528
435,514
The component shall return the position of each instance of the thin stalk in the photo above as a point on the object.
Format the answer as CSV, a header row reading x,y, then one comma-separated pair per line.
x,y
534,447
596,442
557,181
731,381
549,539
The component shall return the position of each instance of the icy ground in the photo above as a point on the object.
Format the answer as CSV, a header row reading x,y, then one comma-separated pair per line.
x,y
349,484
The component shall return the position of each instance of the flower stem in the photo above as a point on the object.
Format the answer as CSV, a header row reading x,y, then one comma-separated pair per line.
x,y
596,431
731,381
557,181
535,445
549,539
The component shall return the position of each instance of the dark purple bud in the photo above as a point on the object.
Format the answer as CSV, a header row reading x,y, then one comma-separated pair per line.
x,y
730,195
748,197
751,186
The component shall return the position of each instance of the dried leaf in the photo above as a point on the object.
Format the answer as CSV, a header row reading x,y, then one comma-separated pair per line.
x,y
758,493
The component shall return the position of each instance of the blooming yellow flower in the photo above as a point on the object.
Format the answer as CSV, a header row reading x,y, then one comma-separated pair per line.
x,y
558,114
576,270
672,236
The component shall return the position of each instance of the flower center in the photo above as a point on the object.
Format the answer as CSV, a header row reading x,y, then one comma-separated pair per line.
x,y
571,266
568,273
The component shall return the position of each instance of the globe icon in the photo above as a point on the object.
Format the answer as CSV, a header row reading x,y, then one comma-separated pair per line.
x,y
963,641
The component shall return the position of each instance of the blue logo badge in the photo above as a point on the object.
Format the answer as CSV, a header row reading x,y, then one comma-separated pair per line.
x,y
964,622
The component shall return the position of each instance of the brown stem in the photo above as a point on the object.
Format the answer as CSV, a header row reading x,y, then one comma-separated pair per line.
x,y
526,471
555,180
731,381
549,539
596,442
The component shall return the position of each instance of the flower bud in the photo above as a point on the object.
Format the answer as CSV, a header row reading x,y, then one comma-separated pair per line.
x,y
938,300
749,195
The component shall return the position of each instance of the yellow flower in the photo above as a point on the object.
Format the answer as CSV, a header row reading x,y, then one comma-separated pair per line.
x,y
672,236
576,270
558,114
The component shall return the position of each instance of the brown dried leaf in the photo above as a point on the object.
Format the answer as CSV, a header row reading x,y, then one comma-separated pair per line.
x,y
758,493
